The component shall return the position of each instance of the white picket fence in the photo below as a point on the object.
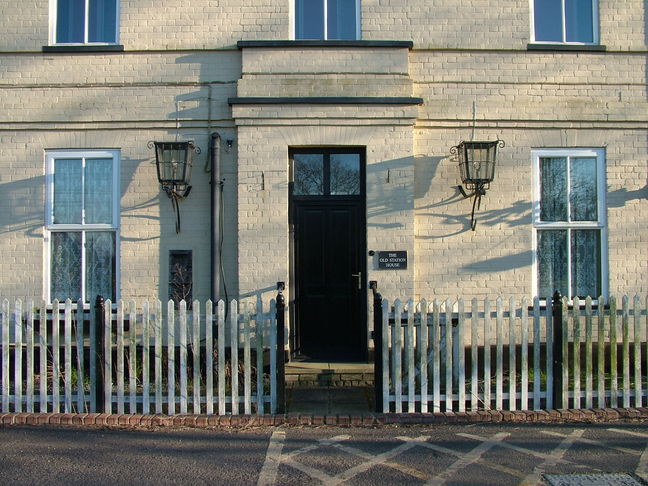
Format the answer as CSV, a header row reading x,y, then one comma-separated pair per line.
x,y
209,361
498,358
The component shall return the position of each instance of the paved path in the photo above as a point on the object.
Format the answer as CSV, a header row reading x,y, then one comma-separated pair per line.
x,y
500,454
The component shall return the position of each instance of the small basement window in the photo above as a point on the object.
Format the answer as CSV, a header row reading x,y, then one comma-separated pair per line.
x,y
181,277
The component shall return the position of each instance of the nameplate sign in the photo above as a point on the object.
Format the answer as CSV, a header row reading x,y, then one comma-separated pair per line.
x,y
392,260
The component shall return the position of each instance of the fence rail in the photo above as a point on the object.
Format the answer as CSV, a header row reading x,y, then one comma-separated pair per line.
x,y
458,356
213,359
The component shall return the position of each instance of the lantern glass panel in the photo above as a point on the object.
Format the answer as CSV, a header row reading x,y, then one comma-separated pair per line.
x,y
478,164
174,162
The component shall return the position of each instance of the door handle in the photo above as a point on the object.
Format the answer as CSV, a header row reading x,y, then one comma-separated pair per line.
x,y
359,276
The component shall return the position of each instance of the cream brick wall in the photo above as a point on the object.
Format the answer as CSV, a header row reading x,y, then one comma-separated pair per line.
x,y
147,223
204,24
117,102
263,209
181,66
532,100
489,25
497,258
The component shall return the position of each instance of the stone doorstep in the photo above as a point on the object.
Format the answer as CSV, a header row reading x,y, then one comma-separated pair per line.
x,y
337,420
343,382
310,379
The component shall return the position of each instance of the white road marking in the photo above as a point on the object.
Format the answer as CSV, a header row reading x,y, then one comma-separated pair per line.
x,y
275,457
318,444
553,458
468,459
268,476
624,450
290,458
524,450
642,466
394,465
378,460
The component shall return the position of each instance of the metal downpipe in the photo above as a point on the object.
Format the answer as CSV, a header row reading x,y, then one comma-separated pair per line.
x,y
216,193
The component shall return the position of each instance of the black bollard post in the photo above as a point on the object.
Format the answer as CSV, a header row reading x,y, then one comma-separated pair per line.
x,y
281,358
557,330
100,325
378,344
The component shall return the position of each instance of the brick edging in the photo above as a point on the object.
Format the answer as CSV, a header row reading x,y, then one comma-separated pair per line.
x,y
317,420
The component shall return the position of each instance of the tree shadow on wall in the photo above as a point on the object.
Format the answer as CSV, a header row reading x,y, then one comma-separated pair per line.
x,y
516,214
620,197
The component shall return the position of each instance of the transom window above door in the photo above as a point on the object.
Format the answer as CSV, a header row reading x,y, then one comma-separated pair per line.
x,y
326,172
327,19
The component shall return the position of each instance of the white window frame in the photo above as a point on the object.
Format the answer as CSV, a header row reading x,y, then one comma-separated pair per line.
x,y
600,224
595,26
293,21
53,16
51,227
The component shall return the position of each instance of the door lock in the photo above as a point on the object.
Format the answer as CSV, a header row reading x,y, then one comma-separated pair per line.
x,y
359,276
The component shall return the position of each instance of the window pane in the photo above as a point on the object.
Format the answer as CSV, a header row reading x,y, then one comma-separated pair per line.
x,y
586,257
309,19
548,20
98,191
583,190
341,19
180,277
65,266
345,174
309,174
553,189
67,191
579,20
552,262
70,21
100,265
102,21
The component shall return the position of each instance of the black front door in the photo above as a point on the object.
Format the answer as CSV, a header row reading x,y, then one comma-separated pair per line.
x,y
328,217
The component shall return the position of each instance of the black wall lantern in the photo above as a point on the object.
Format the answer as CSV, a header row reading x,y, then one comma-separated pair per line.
x,y
173,162
477,168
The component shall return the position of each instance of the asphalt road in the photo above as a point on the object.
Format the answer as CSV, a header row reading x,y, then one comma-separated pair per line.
x,y
405,455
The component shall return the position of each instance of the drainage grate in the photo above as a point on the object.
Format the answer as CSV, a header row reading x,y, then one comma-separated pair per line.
x,y
610,479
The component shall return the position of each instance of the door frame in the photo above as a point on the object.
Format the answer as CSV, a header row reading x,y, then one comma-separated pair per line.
x,y
294,331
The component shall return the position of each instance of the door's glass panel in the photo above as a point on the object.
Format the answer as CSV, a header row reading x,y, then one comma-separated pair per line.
x,y
70,21
552,262
98,191
100,265
67,191
308,174
181,277
548,20
345,174
579,20
553,189
309,19
586,257
65,266
583,190
341,19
